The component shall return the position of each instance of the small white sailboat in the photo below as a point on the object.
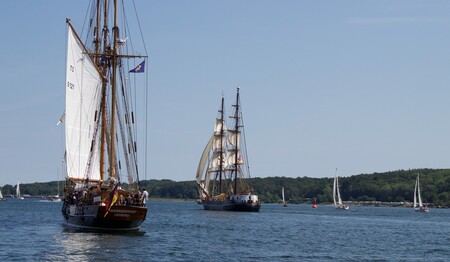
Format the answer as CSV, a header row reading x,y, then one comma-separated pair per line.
x,y
336,194
282,195
1,196
418,206
18,191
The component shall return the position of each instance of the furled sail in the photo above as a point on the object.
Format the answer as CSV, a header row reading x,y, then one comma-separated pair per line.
x,y
83,88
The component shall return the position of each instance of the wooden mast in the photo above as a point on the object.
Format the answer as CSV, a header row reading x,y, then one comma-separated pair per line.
x,y
113,94
221,145
104,85
236,128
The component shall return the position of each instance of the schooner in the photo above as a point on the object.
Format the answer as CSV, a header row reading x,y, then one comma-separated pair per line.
x,y
100,124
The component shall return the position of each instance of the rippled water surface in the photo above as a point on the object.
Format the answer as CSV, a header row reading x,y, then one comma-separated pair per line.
x,y
183,231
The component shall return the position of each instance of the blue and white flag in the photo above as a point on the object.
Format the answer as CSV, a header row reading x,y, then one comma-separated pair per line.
x,y
139,69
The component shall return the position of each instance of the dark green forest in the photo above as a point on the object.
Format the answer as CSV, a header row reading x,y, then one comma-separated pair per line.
x,y
394,186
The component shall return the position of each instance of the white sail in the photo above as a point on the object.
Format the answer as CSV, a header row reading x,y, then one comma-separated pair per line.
x,y
202,164
334,188
1,195
234,138
218,140
415,193
83,87
337,190
419,198
220,124
18,189
282,195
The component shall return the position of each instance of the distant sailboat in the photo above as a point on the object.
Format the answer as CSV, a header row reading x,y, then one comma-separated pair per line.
x,y
418,206
314,203
336,194
1,196
282,195
18,191
55,198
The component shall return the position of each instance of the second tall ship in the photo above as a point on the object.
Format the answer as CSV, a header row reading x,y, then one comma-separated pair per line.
x,y
222,174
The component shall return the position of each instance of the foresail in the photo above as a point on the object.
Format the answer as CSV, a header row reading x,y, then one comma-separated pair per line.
x,y
203,159
83,87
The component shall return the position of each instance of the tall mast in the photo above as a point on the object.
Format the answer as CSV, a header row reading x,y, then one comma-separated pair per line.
x,y
221,145
113,94
104,85
236,128
97,33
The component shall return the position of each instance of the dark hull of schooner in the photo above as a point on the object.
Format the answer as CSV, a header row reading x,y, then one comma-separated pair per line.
x,y
92,217
231,205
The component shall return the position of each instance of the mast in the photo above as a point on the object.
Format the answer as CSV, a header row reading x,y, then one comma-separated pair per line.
x,y
104,85
236,129
113,94
221,145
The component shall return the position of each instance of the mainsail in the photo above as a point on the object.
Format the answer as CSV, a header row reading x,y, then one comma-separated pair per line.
x,y
18,189
83,95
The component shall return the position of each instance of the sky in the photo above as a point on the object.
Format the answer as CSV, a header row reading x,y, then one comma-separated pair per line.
x,y
362,86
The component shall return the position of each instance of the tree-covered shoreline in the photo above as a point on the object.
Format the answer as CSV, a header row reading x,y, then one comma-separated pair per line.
x,y
394,186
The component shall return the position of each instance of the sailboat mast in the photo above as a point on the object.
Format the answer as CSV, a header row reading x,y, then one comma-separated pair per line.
x,y
104,84
113,94
222,131
97,33
236,128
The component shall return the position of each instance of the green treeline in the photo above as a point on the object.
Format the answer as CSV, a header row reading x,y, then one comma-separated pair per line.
x,y
394,186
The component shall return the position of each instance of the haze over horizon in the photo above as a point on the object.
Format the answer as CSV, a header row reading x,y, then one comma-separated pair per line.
x,y
362,86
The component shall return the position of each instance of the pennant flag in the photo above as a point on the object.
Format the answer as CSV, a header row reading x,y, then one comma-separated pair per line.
x,y
139,69
113,196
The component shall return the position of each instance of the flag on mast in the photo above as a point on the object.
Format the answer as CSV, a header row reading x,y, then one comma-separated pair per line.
x,y
139,69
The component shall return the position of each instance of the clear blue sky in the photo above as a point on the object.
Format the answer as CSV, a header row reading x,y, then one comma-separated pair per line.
x,y
362,86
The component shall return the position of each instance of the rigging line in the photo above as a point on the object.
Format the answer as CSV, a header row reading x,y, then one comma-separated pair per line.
x,y
139,25
92,7
146,121
245,144
127,30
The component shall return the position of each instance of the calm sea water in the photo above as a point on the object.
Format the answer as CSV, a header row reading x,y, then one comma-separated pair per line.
x,y
182,231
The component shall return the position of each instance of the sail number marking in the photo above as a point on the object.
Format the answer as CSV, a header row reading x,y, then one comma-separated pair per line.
x,y
69,84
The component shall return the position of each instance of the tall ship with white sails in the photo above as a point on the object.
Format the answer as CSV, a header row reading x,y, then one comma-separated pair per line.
x,y
222,174
100,124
